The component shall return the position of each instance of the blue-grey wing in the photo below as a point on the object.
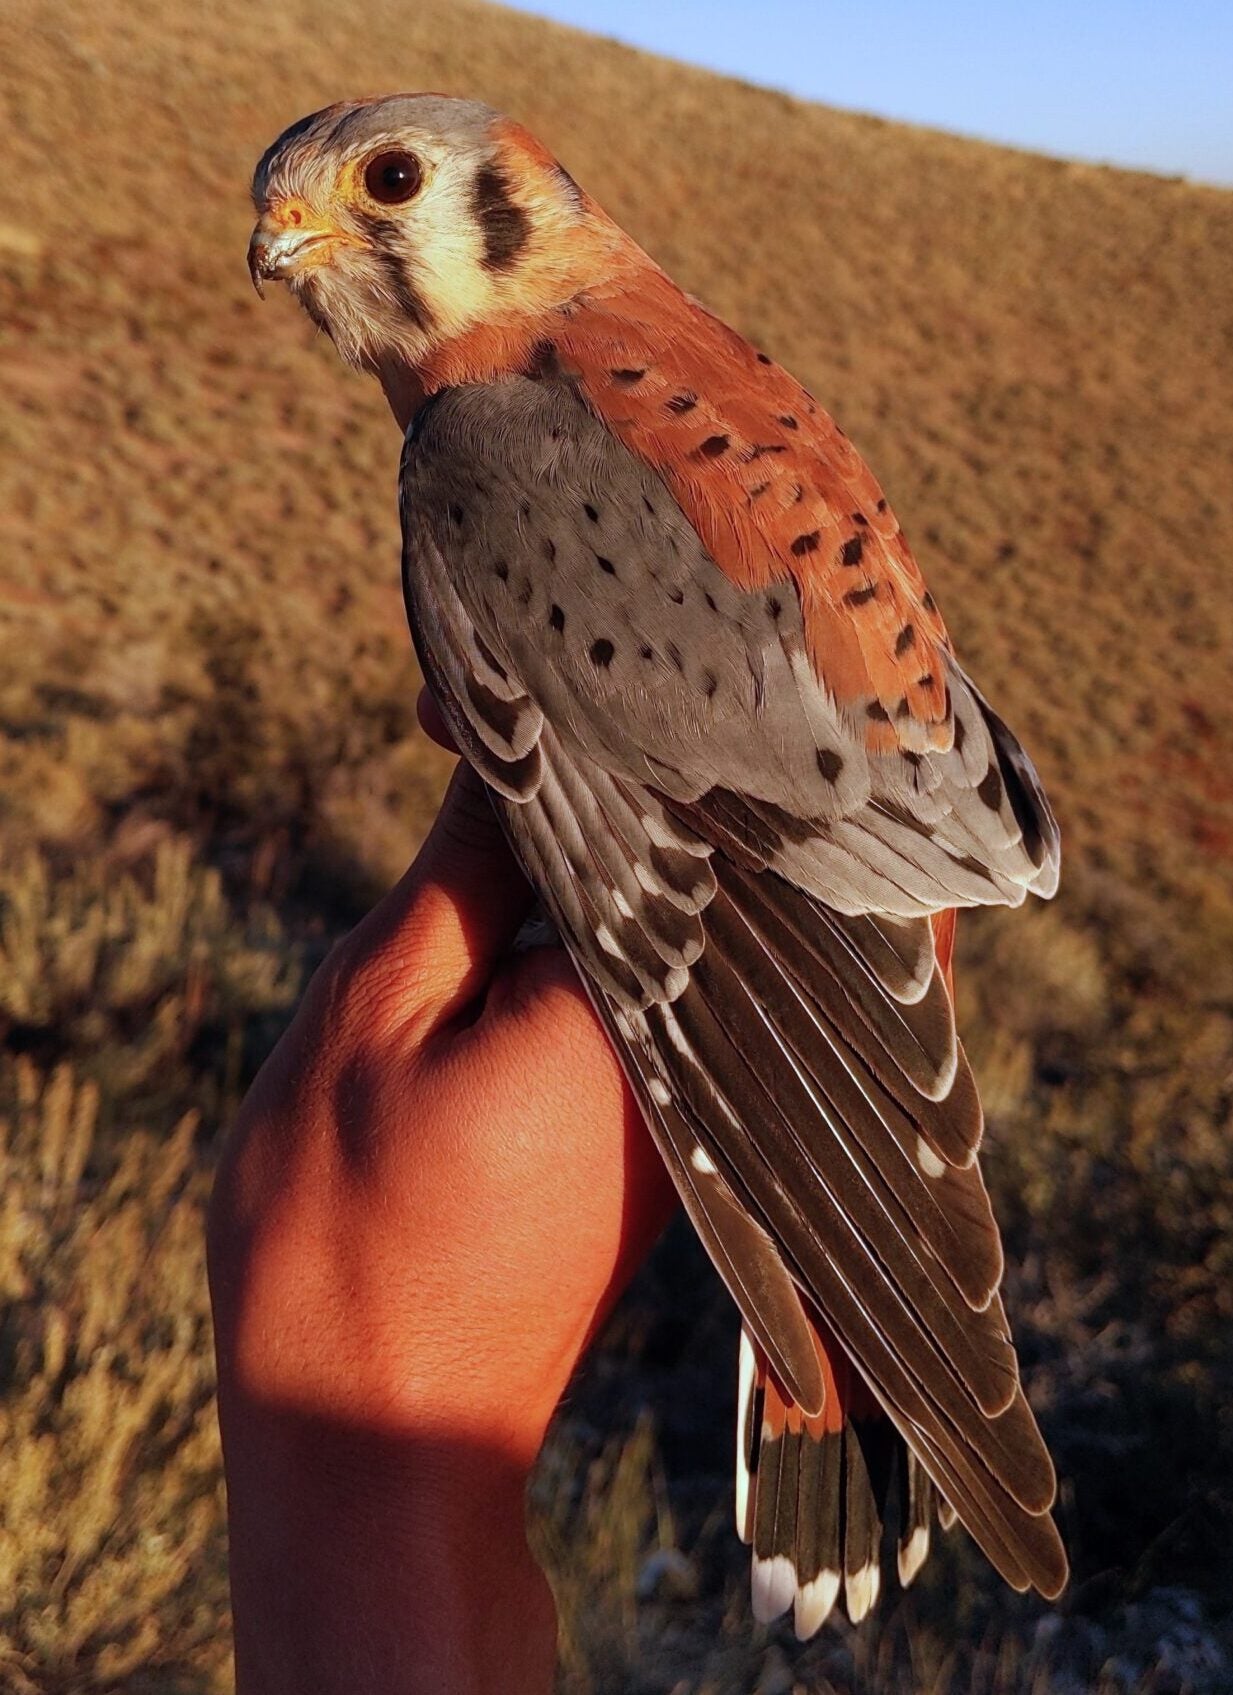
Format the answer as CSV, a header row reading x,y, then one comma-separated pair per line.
x,y
746,891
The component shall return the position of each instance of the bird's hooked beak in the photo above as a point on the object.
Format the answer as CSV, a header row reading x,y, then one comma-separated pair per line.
x,y
277,251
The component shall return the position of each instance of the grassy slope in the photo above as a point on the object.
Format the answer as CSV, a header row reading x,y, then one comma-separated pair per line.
x,y
204,672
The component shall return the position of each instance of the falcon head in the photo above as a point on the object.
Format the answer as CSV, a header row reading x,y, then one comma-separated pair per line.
x,y
404,222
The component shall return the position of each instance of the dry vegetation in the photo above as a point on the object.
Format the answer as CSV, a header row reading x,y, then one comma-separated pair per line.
x,y
208,763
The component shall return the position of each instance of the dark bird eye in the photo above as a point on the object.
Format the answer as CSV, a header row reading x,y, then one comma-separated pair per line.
x,y
393,178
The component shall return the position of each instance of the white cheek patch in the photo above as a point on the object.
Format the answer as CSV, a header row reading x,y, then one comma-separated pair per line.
x,y
436,241
445,247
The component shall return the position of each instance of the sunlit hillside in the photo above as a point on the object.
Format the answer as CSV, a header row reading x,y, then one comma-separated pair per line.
x,y
209,764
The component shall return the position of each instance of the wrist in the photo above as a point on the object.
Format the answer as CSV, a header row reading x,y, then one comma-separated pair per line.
x,y
388,1565
307,1326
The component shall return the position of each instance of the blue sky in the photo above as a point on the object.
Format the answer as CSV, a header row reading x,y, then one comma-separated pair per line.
x,y
1139,84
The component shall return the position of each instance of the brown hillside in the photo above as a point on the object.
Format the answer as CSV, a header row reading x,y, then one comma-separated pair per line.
x,y
208,755
1036,356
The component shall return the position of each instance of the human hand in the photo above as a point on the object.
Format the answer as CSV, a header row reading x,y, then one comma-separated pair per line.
x,y
435,1190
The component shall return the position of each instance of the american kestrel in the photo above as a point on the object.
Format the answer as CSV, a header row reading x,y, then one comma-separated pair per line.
x,y
672,622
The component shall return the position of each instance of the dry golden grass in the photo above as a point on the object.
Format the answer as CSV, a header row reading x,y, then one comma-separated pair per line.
x,y
111,1565
208,762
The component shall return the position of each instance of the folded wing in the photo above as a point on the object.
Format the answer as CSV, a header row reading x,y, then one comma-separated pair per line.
x,y
747,891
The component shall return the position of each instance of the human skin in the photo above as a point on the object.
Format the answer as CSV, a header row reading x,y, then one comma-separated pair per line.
x,y
434,1192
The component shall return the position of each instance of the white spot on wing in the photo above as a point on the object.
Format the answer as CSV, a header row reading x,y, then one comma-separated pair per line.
x,y
644,879
607,941
944,1082
662,836
621,904
814,1601
702,1161
928,1161
672,1028
659,1091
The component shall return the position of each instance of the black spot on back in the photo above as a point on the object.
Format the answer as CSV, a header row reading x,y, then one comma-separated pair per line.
x,y
626,378
682,403
806,543
591,513
861,597
904,640
602,652
829,764
605,565
852,549
557,618
713,446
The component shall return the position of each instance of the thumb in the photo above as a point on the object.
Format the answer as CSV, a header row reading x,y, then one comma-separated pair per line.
x,y
444,927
